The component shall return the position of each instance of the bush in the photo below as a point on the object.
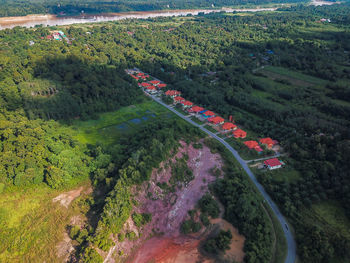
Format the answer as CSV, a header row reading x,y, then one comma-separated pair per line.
x,y
209,206
141,219
91,256
189,226
219,243
131,236
204,219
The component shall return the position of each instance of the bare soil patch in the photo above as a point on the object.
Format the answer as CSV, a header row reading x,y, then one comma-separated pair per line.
x,y
160,241
66,198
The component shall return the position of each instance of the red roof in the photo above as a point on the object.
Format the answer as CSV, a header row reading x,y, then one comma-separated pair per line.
x,y
251,144
209,113
272,162
134,77
228,126
178,98
154,82
161,85
145,84
172,92
239,133
268,141
140,74
151,88
216,120
258,149
187,103
197,109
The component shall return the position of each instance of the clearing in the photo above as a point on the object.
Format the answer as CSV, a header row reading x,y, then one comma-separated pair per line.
x,y
169,201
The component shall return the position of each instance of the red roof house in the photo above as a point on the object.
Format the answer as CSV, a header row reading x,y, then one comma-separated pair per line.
x,y
239,133
187,103
208,113
216,120
196,109
140,74
145,84
273,163
134,77
178,99
154,82
229,126
172,93
253,145
268,142
151,89
161,85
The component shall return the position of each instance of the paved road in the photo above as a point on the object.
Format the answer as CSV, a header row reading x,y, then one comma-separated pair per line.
x,y
291,254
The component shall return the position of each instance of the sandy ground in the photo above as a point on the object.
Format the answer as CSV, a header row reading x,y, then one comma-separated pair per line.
x,y
236,248
66,198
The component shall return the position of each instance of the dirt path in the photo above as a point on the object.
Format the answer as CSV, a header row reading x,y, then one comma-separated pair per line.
x,y
66,198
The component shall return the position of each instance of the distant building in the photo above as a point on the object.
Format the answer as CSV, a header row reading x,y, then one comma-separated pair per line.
x,y
228,126
172,93
239,133
196,109
155,82
268,142
145,84
253,145
208,114
273,163
151,89
186,104
161,85
178,99
216,120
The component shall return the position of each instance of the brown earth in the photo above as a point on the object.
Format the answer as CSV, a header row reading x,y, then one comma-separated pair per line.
x,y
161,240
66,198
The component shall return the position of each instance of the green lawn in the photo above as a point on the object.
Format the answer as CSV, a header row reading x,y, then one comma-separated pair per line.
x,y
334,215
111,125
209,128
196,120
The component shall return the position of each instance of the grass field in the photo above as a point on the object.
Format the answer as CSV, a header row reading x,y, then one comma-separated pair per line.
x,y
333,214
111,125
32,225
293,77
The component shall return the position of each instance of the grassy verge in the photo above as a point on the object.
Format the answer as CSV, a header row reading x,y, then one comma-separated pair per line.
x,y
280,252
209,128
196,120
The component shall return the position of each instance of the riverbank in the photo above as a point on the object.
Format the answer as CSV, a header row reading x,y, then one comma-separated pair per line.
x,y
53,20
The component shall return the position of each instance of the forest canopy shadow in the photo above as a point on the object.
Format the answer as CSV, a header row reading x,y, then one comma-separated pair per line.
x,y
65,88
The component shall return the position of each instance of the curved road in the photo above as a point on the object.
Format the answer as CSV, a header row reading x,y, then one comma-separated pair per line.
x,y
291,254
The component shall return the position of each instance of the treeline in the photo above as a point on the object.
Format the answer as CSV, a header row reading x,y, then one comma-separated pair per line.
x,y
33,152
21,8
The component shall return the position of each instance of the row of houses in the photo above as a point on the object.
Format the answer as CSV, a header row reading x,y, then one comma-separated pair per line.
x,y
155,87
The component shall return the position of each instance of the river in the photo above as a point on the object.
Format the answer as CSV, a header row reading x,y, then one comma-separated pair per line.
x,y
52,20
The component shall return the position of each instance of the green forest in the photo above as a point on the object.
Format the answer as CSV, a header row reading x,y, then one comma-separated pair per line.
x,y
283,74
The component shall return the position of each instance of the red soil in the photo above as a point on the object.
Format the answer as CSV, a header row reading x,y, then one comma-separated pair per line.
x,y
168,211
